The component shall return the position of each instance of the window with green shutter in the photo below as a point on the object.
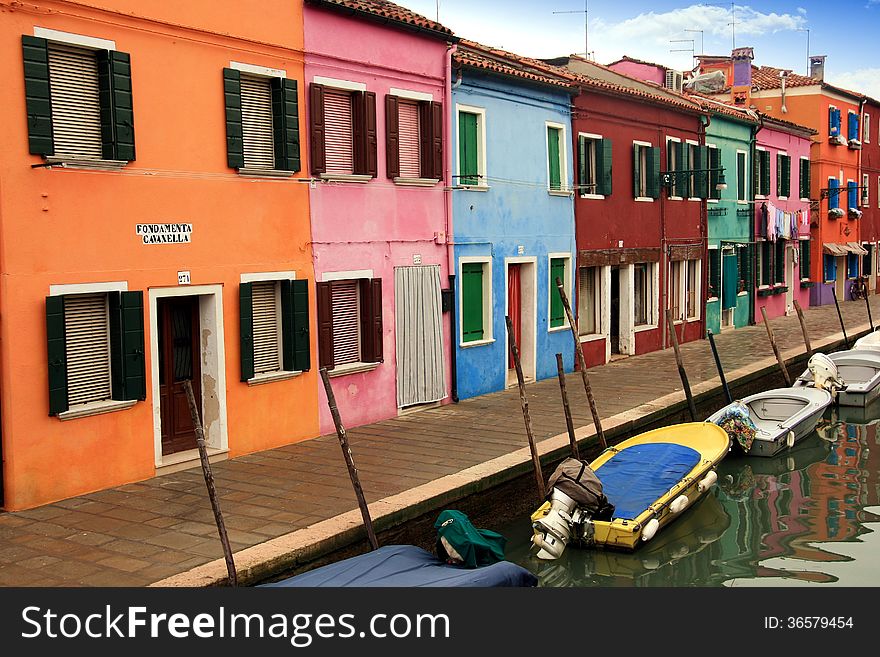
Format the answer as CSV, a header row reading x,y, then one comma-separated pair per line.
x,y
783,175
779,264
594,165
554,157
713,156
804,178
472,300
805,259
714,274
557,311
766,263
468,149
741,177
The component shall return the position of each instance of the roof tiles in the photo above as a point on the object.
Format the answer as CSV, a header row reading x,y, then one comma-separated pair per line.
x,y
388,10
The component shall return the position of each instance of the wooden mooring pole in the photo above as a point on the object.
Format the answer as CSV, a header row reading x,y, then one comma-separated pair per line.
x,y
349,460
718,366
800,314
775,348
868,306
579,354
681,372
209,483
524,402
840,317
560,372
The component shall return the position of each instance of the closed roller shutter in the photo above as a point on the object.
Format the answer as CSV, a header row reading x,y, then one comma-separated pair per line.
x,y
256,117
410,154
88,348
76,106
338,136
265,313
346,323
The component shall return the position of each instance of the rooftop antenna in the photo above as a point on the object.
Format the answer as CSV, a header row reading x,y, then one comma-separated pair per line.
x,y
585,12
702,52
807,30
732,24
690,50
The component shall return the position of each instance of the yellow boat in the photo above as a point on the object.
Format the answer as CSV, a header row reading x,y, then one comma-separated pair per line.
x,y
650,479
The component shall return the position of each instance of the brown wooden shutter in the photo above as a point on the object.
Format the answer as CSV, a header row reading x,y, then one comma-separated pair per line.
x,y
316,128
358,122
325,325
426,141
437,141
371,320
392,137
370,135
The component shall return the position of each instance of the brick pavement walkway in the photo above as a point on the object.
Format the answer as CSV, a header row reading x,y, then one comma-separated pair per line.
x,y
139,533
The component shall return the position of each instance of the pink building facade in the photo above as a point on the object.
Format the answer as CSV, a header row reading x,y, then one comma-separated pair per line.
x,y
781,179
380,215
640,70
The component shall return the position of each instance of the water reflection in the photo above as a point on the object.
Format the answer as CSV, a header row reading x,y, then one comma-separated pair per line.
x,y
804,517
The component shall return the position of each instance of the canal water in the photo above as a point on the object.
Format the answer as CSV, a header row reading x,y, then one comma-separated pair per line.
x,y
809,517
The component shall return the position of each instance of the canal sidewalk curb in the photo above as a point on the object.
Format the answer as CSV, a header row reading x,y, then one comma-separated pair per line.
x,y
301,547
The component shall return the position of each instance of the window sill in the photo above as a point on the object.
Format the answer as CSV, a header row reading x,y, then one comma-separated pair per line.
x,y
269,377
712,200
674,198
558,192
472,188
85,163
346,177
352,368
712,299
694,198
415,182
476,343
557,329
96,408
264,173
742,294
591,337
739,201
781,198
643,199
596,197
646,327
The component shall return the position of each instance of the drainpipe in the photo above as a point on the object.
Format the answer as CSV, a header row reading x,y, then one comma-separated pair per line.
x,y
450,247
704,227
753,143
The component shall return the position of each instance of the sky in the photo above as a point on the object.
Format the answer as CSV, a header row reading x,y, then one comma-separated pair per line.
x,y
846,31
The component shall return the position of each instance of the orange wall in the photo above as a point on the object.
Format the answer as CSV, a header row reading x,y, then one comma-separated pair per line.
x,y
67,226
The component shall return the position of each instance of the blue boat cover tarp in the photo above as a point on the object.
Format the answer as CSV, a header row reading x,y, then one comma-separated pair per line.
x,y
406,566
637,476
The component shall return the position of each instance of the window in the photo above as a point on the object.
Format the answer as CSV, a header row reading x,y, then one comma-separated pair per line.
x,y
765,264
676,276
805,260
852,194
867,258
274,321
741,177
78,98
558,269
555,157
829,267
804,179
413,138
471,147
594,165
342,124
476,302
676,160
865,190
589,288
779,263
646,171
95,349
349,322
852,126
698,181
833,194
692,288
783,175
714,291
866,127
684,289
714,155
744,267
852,265
833,121
762,173
643,294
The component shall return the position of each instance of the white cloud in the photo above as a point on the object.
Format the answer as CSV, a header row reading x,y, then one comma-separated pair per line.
x,y
803,12
864,80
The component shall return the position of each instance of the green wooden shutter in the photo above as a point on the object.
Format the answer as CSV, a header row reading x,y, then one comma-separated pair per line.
x,y
553,156
747,258
731,281
295,342
779,176
701,179
38,101
805,258
134,371
234,134
805,179
681,181
779,268
765,172
756,172
472,301
713,157
603,167
652,164
467,149
56,341
117,109
557,312
715,272
765,263
285,124
786,173
637,171
582,166
246,324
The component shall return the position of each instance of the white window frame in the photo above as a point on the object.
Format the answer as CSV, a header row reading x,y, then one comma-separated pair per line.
x,y
769,191
349,275
866,190
745,154
670,168
643,170
654,276
564,187
866,129
483,180
486,261
72,39
848,181
598,304
803,157
784,154
551,286
715,247
692,177
272,277
697,288
418,96
592,138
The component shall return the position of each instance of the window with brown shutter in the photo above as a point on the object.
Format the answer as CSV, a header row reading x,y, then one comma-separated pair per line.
x,y
349,322
343,131
338,132
392,137
410,142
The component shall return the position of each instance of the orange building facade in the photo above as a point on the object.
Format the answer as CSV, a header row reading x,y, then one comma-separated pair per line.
x,y
154,229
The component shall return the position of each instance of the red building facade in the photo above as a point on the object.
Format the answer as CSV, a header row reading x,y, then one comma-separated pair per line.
x,y
869,182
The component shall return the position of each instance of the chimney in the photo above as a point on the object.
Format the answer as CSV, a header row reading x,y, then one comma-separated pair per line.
x,y
817,67
741,89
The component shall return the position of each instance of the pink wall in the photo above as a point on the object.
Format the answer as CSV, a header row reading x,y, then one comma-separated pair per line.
x,y
377,225
640,71
774,141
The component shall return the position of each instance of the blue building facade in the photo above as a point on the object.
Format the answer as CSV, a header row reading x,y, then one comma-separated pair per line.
x,y
513,219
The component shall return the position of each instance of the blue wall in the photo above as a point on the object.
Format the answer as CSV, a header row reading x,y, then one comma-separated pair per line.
x,y
516,211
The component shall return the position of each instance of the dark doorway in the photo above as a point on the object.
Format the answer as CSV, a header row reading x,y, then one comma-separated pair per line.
x,y
615,310
514,309
179,357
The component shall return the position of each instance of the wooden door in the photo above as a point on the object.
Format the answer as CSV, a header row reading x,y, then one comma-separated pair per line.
x,y
179,358
514,309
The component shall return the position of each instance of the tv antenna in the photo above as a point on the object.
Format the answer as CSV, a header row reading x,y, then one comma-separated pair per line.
x,y
585,12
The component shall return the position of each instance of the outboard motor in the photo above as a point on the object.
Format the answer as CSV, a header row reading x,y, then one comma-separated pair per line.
x,y
824,371
554,531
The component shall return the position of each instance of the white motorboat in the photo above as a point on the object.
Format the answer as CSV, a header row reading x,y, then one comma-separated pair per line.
x,y
781,417
870,342
852,376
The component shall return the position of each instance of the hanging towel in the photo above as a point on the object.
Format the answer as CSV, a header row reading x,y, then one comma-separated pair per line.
x,y
762,220
771,222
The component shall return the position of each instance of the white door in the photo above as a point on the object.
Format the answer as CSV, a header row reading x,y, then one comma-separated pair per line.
x,y
791,279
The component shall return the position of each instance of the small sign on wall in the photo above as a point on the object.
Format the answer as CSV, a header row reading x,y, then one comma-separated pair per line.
x,y
164,233
417,259
520,249
183,278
